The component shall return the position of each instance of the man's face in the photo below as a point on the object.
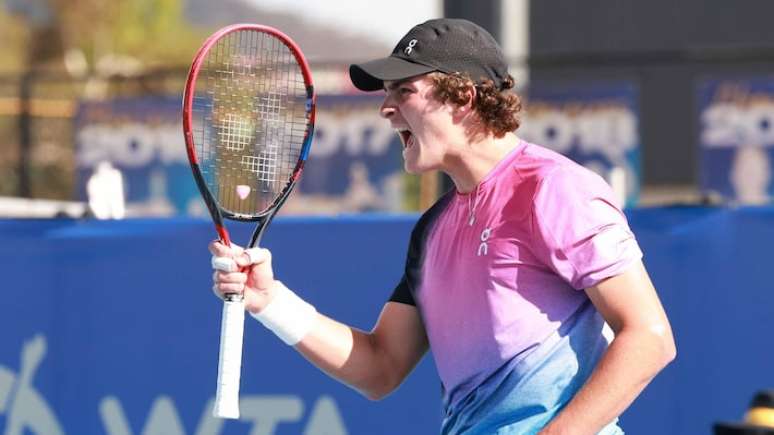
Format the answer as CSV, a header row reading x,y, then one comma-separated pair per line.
x,y
422,122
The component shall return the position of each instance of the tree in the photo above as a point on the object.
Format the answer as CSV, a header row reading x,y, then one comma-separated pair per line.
x,y
154,32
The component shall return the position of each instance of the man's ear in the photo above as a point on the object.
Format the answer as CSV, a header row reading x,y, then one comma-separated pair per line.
x,y
466,109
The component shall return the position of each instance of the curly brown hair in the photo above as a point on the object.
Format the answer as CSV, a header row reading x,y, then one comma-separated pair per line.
x,y
498,109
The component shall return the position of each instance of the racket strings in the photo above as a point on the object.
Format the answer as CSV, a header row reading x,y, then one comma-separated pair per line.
x,y
251,120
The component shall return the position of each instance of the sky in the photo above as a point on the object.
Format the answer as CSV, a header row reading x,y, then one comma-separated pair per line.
x,y
385,21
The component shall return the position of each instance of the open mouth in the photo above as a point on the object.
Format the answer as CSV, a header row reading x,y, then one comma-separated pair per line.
x,y
407,138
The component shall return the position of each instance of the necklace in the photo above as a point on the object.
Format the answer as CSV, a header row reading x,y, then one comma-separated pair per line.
x,y
472,203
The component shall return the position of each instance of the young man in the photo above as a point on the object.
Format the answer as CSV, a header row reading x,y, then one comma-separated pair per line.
x,y
509,278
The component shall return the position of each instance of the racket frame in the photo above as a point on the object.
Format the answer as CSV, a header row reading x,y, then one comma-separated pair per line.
x,y
216,211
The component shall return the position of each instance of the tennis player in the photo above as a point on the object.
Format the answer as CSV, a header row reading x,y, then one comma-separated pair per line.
x,y
509,278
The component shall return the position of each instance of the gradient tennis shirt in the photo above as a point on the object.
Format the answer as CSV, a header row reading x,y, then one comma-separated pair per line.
x,y
498,277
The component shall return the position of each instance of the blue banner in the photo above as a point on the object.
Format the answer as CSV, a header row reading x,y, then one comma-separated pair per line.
x,y
596,124
118,333
736,138
355,162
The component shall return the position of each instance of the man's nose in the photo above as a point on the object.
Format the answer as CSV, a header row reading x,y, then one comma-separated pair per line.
x,y
387,108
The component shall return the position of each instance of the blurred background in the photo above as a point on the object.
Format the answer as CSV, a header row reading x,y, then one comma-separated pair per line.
x,y
90,82
671,102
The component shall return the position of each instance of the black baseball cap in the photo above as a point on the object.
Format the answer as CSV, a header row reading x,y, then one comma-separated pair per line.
x,y
447,45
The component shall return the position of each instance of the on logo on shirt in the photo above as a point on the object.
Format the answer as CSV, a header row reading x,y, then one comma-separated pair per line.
x,y
483,248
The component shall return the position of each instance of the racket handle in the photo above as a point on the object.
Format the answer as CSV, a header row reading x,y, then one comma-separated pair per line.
x,y
230,360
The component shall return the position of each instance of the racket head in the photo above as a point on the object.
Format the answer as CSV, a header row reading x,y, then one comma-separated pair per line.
x,y
248,120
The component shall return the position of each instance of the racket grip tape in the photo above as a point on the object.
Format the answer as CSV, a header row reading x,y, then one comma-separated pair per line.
x,y
230,360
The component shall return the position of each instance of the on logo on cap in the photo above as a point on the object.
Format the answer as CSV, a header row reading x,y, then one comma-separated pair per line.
x,y
410,47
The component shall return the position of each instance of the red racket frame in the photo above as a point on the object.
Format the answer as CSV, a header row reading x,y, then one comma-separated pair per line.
x,y
214,208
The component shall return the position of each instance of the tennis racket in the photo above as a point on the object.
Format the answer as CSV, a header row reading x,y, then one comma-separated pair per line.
x,y
248,120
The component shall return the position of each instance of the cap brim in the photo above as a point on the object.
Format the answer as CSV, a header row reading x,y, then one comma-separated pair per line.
x,y
370,76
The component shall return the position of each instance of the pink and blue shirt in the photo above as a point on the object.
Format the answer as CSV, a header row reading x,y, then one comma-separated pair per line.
x,y
498,276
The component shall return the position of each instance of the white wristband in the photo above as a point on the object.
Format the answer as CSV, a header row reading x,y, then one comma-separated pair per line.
x,y
287,315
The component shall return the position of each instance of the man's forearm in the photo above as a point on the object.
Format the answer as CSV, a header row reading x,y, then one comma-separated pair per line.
x,y
630,363
342,352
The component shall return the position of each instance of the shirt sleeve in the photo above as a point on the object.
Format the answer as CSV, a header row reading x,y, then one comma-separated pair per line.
x,y
580,233
404,291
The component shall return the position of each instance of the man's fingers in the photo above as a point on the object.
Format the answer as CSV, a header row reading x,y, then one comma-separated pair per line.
x,y
253,256
243,257
226,288
228,282
237,269
219,249
247,257
226,277
225,264
216,291
222,289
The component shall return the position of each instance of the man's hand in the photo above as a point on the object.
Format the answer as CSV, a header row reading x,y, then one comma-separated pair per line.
x,y
243,271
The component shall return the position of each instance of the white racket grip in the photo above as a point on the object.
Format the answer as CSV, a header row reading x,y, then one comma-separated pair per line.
x,y
230,361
